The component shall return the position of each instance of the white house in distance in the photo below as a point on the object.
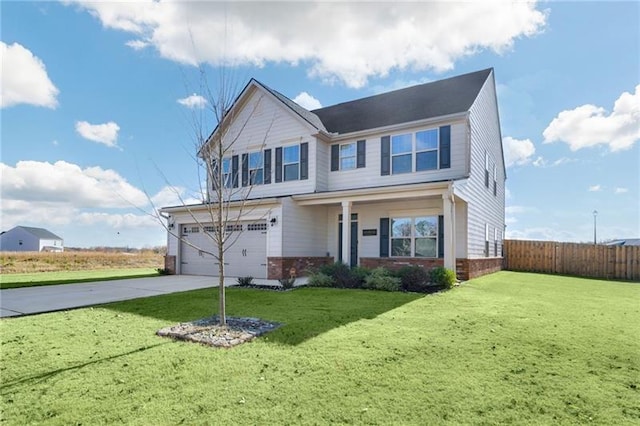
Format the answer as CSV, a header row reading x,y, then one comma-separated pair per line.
x,y
418,174
25,238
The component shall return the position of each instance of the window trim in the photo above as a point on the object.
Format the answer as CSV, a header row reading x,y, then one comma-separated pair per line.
x,y
413,153
414,237
250,169
436,149
354,156
285,164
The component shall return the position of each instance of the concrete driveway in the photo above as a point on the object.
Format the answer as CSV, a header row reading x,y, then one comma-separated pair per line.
x,y
32,300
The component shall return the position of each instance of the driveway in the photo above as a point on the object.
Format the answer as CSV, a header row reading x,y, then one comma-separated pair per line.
x,y
33,300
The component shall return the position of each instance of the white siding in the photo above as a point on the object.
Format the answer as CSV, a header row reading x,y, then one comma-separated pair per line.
x,y
323,165
269,125
369,176
483,206
304,229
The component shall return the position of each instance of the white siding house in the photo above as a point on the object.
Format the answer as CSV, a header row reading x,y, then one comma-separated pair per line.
x,y
418,174
25,238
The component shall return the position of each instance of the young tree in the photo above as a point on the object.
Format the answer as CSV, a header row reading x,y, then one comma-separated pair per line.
x,y
225,199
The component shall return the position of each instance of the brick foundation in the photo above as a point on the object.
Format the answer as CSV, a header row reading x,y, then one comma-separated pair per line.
x,y
394,263
279,267
170,264
467,269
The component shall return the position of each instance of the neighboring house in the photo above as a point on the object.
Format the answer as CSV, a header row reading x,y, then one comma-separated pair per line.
x,y
625,242
25,238
417,174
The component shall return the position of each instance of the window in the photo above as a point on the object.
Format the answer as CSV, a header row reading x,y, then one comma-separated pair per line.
x,y
486,171
256,168
486,240
414,237
209,229
348,156
291,162
401,153
495,180
495,242
191,230
234,228
427,150
227,175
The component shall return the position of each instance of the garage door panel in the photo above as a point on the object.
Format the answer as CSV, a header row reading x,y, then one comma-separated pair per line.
x,y
246,254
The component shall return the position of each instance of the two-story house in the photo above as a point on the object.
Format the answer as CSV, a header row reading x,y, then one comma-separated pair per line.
x,y
412,176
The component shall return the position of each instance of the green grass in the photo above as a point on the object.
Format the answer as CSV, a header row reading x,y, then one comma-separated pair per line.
x,y
506,348
72,277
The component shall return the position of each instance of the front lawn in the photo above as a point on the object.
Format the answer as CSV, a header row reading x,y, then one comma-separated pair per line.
x,y
72,277
506,348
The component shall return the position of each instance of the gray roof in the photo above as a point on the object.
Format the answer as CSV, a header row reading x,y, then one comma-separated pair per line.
x,y
308,116
40,233
435,99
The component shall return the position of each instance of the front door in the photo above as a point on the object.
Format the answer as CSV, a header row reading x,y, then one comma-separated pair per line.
x,y
354,239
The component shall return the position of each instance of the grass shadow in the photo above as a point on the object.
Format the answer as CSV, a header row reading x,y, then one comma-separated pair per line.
x,y
305,312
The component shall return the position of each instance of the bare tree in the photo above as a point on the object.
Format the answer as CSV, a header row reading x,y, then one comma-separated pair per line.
x,y
226,200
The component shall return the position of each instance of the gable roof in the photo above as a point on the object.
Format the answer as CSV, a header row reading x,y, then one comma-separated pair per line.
x,y
41,233
429,100
307,115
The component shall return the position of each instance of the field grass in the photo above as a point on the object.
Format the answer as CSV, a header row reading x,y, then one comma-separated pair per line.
x,y
72,277
31,262
506,348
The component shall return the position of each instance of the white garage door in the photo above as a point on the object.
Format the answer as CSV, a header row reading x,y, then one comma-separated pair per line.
x,y
247,256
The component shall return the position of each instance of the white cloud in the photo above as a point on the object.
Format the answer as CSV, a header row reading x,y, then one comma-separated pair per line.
x,y
68,184
174,196
621,190
307,101
595,188
194,101
137,44
517,152
542,162
24,78
590,125
106,133
364,40
117,221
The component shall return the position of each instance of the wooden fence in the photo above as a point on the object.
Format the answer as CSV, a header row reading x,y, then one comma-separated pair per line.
x,y
586,260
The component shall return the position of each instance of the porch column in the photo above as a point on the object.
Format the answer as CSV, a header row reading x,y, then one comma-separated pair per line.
x,y
449,212
346,232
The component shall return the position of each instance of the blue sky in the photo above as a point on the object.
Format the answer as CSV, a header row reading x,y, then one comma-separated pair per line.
x,y
97,100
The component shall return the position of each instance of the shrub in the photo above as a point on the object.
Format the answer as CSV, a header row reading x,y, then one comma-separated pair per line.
x,y
319,279
443,276
163,271
381,279
343,276
287,283
413,278
245,280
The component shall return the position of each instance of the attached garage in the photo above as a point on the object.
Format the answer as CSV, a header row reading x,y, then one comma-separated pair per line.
x,y
245,256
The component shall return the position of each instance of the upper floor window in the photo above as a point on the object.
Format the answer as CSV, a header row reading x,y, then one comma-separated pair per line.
x,y
256,168
348,156
227,175
495,180
415,152
291,162
401,153
414,237
486,169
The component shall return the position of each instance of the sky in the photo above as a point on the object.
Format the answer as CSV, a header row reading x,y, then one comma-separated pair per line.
x,y
99,100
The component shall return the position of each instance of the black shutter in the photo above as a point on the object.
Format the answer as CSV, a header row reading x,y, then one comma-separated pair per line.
x,y
245,169
234,171
267,166
304,160
362,148
385,155
278,164
384,237
440,236
335,157
214,174
445,147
